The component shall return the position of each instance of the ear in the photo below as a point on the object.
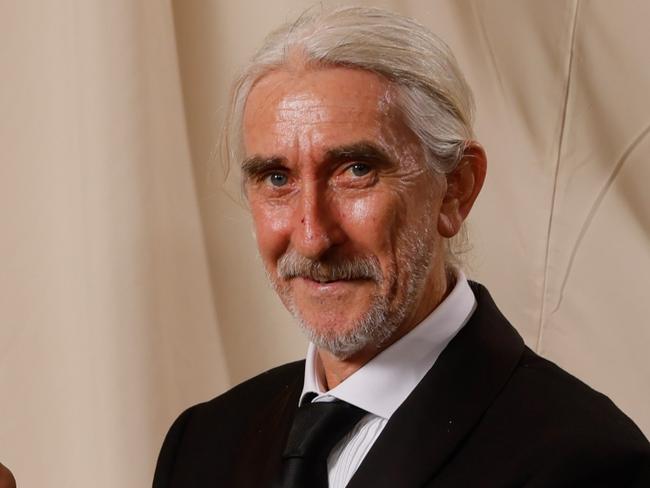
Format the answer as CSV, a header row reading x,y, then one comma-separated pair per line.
x,y
463,186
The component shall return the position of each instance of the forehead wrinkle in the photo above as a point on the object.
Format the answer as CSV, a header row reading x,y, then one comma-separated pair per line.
x,y
299,100
286,106
312,110
282,82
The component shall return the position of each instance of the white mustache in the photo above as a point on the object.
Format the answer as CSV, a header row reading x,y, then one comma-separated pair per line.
x,y
294,265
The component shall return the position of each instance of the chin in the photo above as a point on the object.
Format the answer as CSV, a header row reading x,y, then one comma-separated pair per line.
x,y
372,328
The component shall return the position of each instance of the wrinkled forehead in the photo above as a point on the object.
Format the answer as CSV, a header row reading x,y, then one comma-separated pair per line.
x,y
287,99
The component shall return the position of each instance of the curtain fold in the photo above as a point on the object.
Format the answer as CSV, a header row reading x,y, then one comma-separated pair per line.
x,y
108,327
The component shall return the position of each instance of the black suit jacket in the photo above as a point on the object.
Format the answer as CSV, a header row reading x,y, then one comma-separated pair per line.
x,y
489,413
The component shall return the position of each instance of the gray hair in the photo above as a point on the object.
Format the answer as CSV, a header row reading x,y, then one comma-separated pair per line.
x,y
431,92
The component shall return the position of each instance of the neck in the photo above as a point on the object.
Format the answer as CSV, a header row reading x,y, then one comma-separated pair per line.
x,y
336,370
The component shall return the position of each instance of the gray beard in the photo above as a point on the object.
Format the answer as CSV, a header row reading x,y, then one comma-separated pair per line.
x,y
374,327
379,323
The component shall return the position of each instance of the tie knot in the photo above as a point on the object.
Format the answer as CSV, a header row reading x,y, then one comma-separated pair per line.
x,y
318,426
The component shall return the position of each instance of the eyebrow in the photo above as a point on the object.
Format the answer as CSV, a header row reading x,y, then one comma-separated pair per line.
x,y
258,165
363,151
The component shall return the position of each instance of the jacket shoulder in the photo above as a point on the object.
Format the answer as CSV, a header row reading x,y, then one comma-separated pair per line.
x,y
201,442
264,385
236,405
556,396
571,431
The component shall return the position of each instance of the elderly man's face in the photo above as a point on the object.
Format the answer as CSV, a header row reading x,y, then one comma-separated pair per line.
x,y
345,211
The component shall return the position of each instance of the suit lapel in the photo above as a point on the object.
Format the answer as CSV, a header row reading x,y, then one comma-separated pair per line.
x,y
434,420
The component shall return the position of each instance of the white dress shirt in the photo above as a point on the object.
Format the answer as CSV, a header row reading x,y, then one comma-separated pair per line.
x,y
381,385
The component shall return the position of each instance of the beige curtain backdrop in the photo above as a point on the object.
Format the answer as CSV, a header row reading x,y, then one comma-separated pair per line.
x,y
107,320
129,282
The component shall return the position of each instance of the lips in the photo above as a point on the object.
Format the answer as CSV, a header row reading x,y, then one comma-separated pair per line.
x,y
329,286
321,282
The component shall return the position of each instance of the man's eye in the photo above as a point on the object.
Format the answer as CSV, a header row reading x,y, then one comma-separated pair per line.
x,y
277,179
360,169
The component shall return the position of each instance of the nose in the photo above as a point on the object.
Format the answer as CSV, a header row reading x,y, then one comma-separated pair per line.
x,y
317,226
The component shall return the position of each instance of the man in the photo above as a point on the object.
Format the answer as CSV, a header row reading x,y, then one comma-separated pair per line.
x,y
353,128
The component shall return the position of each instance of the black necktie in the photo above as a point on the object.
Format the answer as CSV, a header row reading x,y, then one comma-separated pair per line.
x,y
316,429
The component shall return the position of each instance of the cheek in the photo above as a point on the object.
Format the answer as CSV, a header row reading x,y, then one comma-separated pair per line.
x,y
362,210
272,231
370,221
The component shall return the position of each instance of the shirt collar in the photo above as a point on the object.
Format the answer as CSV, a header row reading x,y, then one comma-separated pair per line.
x,y
383,383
